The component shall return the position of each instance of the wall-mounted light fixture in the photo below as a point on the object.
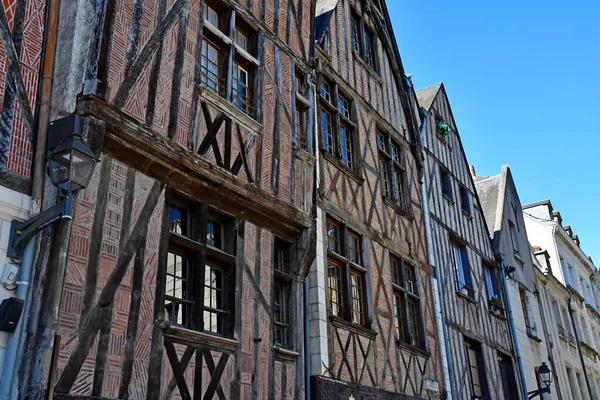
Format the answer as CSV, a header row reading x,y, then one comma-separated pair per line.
x,y
71,164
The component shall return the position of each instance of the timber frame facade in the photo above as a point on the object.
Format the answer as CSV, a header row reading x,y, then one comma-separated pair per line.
x,y
479,344
373,328
164,284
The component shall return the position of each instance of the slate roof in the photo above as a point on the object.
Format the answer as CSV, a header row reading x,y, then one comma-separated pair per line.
x,y
426,96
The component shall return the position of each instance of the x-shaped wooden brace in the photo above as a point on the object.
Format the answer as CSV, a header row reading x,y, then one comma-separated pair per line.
x,y
179,367
344,356
365,366
210,140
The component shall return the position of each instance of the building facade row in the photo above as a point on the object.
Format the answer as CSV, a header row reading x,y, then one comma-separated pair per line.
x,y
275,213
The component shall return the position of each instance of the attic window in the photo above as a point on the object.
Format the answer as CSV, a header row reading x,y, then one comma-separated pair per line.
x,y
464,200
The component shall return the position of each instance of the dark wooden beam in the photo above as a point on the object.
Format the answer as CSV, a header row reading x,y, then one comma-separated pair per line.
x,y
178,371
162,159
98,315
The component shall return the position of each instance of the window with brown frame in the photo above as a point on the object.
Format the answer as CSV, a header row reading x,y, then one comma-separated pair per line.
x,y
363,39
392,170
346,275
282,285
200,277
301,112
336,124
215,65
407,303
479,388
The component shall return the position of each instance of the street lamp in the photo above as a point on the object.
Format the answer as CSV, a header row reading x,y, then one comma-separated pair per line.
x,y
545,373
71,164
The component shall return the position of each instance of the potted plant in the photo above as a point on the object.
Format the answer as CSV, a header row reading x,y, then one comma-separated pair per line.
x,y
495,304
442,127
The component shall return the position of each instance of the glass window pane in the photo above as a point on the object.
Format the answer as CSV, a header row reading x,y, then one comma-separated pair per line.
x,y
326,131
178,220
334,283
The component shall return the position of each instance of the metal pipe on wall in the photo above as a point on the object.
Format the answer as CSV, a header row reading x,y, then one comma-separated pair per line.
x,y
39,168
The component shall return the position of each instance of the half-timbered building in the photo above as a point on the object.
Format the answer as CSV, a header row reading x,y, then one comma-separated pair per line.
x,y
181,274
372,322
478,346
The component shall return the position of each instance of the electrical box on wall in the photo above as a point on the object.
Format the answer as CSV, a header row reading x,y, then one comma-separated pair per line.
x,y
10,313
10,275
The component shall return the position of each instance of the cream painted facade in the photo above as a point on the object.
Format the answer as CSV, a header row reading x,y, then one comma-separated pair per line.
x,y
13,205
571,310
504,217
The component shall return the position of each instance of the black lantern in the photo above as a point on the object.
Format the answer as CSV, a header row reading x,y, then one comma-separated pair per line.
x,y
71,164
545,374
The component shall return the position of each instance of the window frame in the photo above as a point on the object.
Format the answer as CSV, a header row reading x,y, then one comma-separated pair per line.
x,y
446,183
363,39
409,331
201,255
232,55
345,303
465,201
392,164
480,367
460,266
342,147
282,281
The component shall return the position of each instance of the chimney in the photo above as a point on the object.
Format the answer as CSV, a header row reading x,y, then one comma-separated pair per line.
x,y
474,174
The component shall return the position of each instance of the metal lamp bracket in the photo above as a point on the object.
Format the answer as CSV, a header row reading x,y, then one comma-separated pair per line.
x,y
22,232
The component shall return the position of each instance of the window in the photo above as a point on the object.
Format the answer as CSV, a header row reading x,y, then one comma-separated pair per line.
x,y
302,106
465,204
355,32
282,294
215,50
491,282
344,261
407,304
370,53
509,383
392,170
336,125
363,39
446,183
209,66
200,269
460,261
525,308
514,237
476,369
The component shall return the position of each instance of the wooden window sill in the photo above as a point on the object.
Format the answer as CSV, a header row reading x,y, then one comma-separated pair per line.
x,y
354,328
441,137
448,198
412,349
398,208
498,315
534,337
466,297
217,101
467,214
305,156
519,259
246,56
285,355
217,32
306,102
351,173
179,334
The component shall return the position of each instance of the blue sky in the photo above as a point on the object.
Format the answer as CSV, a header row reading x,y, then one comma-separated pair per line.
x,y
523,82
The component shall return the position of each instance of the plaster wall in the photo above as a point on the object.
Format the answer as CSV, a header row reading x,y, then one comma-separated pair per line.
x,y
13,205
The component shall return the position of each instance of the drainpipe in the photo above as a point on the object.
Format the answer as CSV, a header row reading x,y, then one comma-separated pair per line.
x,y
39,164
513,331
447,366
585,373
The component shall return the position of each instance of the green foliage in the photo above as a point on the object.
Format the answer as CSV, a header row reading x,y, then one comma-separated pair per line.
x,y
443,128
495,302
